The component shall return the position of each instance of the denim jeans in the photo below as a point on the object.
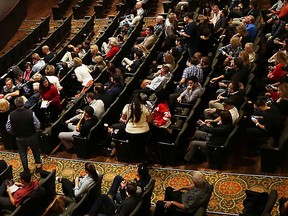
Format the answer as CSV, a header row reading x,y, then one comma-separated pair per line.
x,y
33,143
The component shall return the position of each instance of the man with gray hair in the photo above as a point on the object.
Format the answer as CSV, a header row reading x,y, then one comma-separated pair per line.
x,y
189,201
24,124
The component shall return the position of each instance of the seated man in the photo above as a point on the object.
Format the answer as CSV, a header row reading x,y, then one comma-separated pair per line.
x,y
131,66
83,127
150,86
9,91
125,208
189,201
47,54
96,104
192,92
10,199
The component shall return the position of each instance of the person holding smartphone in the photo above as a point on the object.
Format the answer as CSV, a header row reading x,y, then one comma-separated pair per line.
x,y
268,126
209,132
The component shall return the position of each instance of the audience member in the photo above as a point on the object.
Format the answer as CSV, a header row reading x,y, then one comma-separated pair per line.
x,y
189,201
9,90
50,71
83,127
47,54
190,34
82,73
125,208
38,63
215,134
24,124
50,99
9,199
75,190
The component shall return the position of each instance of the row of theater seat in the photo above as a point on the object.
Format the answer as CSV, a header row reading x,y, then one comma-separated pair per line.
x,y
21,48
37,203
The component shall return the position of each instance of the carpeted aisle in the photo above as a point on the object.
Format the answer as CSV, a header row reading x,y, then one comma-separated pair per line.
x,y
228,192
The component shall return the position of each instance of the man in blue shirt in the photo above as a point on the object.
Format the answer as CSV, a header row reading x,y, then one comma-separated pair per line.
x,y
250,26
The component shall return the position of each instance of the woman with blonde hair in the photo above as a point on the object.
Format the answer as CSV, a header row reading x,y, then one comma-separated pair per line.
x,y
111,48
169,61
245,59
4,105
249,49
233,48
49,71
94,52
242,34
277,72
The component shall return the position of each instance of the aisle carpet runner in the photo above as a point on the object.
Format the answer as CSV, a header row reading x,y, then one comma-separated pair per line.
x,y
227,197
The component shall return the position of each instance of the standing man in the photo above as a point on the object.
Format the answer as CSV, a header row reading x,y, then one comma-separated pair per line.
x,y
24,125
190,34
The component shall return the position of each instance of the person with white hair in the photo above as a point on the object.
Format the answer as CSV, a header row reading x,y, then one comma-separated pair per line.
x,y
110,49
189,201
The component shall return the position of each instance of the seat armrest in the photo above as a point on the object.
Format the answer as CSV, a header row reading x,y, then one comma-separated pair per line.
x,y
166,143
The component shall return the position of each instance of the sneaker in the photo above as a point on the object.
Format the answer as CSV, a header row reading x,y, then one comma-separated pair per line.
x,y
58,179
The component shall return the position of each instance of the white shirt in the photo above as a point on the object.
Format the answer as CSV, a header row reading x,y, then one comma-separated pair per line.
x,y
139,127
55,81
83,75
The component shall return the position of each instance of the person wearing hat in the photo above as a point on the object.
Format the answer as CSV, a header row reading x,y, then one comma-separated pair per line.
x,y
196,194
278,29
142,182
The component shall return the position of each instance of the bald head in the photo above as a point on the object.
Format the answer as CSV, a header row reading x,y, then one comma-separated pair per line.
x,y
138,5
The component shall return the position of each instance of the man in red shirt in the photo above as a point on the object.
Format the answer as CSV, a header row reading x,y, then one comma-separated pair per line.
x,y
9,198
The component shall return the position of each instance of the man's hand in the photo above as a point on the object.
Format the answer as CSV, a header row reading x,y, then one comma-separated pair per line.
x,y
167,204
179,99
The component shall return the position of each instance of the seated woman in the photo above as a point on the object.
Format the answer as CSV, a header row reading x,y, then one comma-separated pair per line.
x,y
75,190
214,134
277,72
83,75
50,95
110,49
50,71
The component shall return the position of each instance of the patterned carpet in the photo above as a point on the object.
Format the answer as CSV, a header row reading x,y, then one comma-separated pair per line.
x,y
228,192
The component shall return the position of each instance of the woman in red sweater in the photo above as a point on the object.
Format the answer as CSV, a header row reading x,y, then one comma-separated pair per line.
x,y
49,94
281,61
113,49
